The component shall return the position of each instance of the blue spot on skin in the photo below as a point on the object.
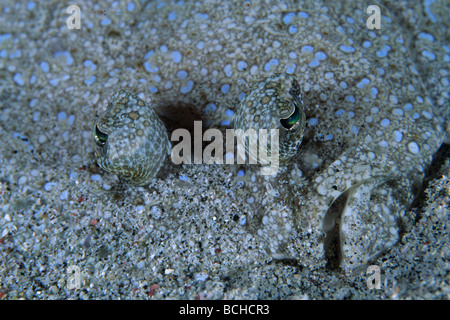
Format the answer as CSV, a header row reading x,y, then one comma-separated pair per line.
x,y
229,113
288,17
292,29
200,45
313,121
328,137
4,37
413,69
343,85
90,64
15,54
225,88
384,52
70,119
153,89
314,63
428,11
114,72
385,123
303,15
172,16
225,123
149,68
183,178
44,66
393,99
347,48
374,91
241,173
340,112
350,98
54,82
340,29
201,16
18,79
227,70
130,6
176,56
398,136
386,18
367,44
355,129
425,36
61,116
90,81
242,65
430,55
416,116
272,62
427,115
319,56
210,108
290,68
105,21
408,107
182,74
148,54
363,83
188,87
308,48
249,19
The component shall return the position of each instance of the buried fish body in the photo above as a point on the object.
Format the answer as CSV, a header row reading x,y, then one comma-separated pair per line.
x,y
359,124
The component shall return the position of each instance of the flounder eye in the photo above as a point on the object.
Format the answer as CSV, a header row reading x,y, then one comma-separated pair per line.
x,y
290,122
100,137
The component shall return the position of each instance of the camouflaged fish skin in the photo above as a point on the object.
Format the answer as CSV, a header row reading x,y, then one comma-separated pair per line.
x,y
371,126
130,139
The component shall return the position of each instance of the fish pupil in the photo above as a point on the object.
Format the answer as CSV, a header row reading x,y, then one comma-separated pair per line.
x,y
292,120
100,137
